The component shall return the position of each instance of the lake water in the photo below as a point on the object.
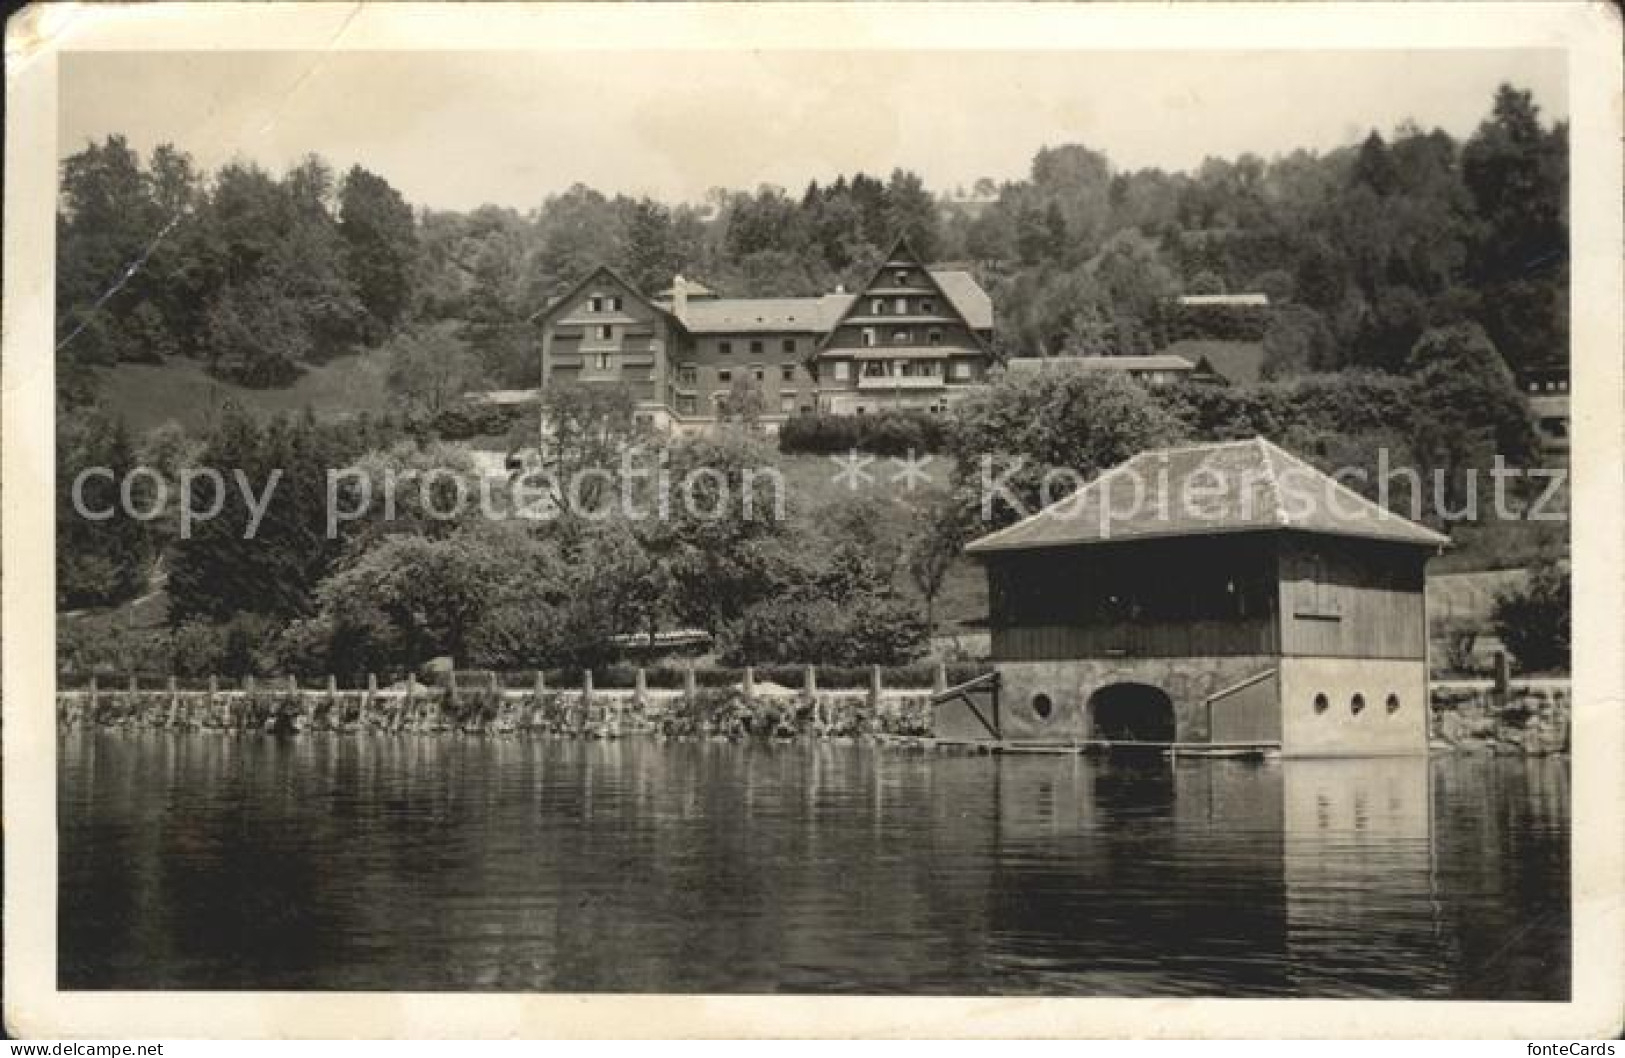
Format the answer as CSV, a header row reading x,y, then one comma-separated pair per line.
x,y
423,863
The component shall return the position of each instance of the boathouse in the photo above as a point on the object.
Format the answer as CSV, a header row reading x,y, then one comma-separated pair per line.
x,y
1223,595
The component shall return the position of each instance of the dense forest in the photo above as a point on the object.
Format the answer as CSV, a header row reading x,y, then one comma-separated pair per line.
x,y
1409,278
1361,249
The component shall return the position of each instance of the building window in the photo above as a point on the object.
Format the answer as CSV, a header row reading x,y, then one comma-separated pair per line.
x,y
900,336
787,372
1043,706
756,348
961,370
758,372
868,337
1357,704
843,370
602,361
787,403
686,404
615,304
1393,703
933,337
725,348
1322,703
877,307
900,277
788,345
1317,595
874,369
606,333
928,305
902,306
724,375
595,304
686,375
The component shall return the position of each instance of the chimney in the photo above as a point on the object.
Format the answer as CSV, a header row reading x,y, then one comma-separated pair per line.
x,y
679,298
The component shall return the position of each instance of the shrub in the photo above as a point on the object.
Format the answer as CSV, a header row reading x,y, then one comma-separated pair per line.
x,y
1534,621
887,433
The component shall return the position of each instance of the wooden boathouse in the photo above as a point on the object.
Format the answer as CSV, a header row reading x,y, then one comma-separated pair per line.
x,y
1223,596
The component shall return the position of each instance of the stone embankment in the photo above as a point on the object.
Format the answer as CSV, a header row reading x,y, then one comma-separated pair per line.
x,y
1485,716
281,708
1531,717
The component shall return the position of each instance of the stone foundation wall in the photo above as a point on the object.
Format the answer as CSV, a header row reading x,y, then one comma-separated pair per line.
x,y
1475,717
566,713
1068,684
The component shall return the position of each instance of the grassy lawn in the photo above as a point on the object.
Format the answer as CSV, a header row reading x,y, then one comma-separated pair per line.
x,y
179,390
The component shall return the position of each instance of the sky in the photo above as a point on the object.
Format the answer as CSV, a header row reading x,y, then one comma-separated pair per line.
x,y
456,130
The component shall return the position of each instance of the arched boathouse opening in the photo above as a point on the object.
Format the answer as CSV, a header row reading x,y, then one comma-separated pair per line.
x,y
1131,712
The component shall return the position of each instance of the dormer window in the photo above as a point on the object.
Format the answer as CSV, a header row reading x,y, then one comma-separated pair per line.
x,y
595,304
902,306
900,277
877,307
934,337
928,305
615,304
868,337
606,333
900,336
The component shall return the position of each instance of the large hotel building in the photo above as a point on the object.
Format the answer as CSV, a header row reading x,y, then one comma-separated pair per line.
x,y
915,336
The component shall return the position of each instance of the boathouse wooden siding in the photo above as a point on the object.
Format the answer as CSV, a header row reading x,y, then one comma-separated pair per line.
x,y
1158,598
1351,598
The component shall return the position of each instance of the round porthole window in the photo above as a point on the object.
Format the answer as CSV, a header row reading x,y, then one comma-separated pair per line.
x,y
1357,704
1321,703
1393,703
1043,706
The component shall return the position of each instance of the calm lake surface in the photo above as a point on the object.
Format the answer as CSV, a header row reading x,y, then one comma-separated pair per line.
x,y
423,863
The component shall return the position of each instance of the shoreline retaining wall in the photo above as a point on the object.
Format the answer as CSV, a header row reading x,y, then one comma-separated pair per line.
x,y
1465,716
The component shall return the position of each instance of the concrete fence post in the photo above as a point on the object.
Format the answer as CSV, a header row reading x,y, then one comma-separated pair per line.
x,y
1502,677
95,695
939,677
749,684
368,696
640,688
174,702
809,692
691,684
214,689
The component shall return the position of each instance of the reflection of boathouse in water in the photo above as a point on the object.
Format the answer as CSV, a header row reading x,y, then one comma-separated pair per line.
x,y
1225,594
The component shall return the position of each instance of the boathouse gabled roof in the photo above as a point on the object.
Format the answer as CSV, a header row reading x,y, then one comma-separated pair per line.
x,y
1237,486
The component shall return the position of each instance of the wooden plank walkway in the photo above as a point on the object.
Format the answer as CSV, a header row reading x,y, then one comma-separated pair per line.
x,y
1253,750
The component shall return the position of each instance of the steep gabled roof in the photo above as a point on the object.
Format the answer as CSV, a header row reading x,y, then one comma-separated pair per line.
x,y
1238,486
1239,362
576,288
900,250
966,295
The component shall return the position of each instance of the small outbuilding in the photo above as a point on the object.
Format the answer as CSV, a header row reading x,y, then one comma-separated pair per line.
x,y
1223,595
